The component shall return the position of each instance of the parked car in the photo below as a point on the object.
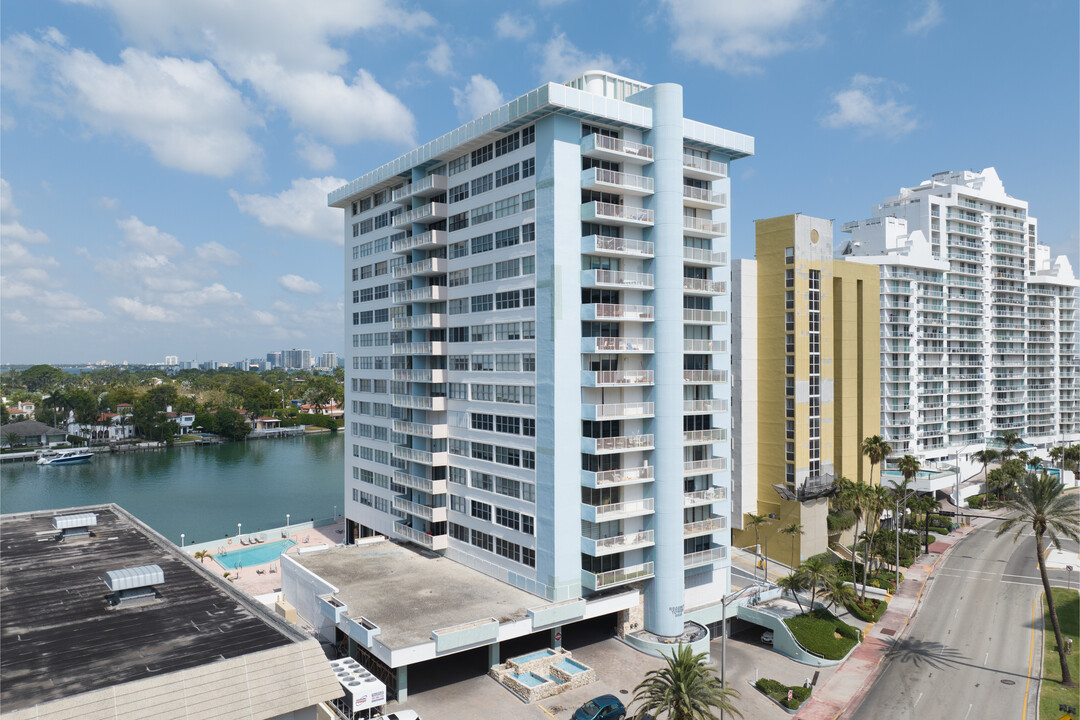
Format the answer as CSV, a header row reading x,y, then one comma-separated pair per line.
x,y
402,715
766,637
605,707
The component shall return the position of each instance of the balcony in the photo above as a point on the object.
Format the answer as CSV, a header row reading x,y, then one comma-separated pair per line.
x,y
616,511
616,182
419,456
704,346
432,212
617,544
704,527
701,437
423,375
424,430
432,487
419,348
698,407
617,411
430,266
616,279
704,497
701,256
617,444
609,311
610,213
700,286
421,322
423,241
616,345
704,317
705,376
608,148
615,378
703,227
704,557
703,198
612,578
426,540
703,169
419,402
613,478
431,185
608,246
701,467
430,293
431,514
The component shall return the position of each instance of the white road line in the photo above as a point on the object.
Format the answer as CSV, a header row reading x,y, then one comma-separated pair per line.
x,y
985,659
917,701
968,712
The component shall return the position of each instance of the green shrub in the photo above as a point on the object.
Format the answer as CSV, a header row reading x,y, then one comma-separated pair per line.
x,y
770,686
869,611
800,693
839,520
939,530
778,691
940,520
816,631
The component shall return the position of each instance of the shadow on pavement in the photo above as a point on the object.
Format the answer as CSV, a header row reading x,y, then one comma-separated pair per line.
x,y
920,652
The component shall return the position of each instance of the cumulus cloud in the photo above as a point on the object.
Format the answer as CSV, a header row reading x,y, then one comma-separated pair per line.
x,y
930,18
297,284
481,95
301,209
737,36
513,27
561,60
868,106
143,312
440,59
215,252
12,231
148,238
316,155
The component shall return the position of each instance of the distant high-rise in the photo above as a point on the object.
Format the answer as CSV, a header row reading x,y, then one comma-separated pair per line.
x,y
171,360
275,359
328,360
296,359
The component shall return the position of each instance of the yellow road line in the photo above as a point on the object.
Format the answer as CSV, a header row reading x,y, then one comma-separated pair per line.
x,y
545,710
1031,657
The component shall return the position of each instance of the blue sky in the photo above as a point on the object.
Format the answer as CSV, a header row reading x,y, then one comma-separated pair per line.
x,y
165,164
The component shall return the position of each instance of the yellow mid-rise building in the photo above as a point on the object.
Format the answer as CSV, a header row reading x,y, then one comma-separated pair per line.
x,y
807,386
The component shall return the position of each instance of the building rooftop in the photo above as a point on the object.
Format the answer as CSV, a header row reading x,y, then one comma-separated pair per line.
x,y
409,594
62,639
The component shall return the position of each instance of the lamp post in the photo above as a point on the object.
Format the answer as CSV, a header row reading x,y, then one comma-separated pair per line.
x,y
237,532
724,632
335,513
286,524
181,539
956,455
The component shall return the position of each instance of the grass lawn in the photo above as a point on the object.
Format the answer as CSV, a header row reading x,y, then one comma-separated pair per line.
x,y
818,631
1052,694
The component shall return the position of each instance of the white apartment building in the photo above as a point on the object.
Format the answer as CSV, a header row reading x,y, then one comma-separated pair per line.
x,y
537,347
979,326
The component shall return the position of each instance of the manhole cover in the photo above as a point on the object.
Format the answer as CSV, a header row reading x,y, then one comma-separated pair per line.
x,y
887,631
1008,682
624,692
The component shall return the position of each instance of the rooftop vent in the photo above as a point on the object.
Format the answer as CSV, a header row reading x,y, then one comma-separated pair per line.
x,y
75,527
134,586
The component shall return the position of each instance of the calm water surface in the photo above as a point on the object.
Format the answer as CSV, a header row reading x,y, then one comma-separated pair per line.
x,y
199,491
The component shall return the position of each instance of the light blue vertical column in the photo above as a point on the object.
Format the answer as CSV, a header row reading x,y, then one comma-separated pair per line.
x,y
664,594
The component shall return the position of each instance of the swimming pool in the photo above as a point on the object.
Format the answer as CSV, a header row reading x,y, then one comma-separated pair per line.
x,y
253,555
530,679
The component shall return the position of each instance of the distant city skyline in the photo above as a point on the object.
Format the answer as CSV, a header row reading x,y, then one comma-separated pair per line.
x,y
130,231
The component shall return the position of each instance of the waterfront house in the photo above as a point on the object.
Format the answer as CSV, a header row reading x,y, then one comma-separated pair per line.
x,y
32,434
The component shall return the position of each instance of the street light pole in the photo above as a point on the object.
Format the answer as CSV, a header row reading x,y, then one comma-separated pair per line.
x,y
286,523
237,532
181,539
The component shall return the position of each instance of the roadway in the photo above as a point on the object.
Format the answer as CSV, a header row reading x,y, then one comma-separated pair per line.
x,y
967,651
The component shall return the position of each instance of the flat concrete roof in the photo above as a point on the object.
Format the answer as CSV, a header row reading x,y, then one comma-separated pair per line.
x,y
408,594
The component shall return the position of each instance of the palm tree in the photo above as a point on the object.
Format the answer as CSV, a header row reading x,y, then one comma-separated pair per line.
x,y
1010,439
793,530
1056,454
756,521
986,457
876,450
1034,463
927,504
877,500
201,555
793,584
1041,504
853,496
686,689
816,571
837,593
908,466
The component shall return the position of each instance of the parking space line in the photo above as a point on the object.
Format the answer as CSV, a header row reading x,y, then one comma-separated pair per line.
x,y
545,710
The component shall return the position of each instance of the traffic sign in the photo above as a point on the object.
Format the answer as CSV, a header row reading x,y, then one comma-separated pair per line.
x,y
558,636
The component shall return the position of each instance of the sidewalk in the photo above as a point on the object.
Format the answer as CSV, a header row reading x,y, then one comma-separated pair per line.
x,y
848,685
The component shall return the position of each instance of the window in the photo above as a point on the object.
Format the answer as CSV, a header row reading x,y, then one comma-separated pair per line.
x,y
506,144
508,456
507,393
528,265
355,253
528,427
482,393
457,165
507,175
355,274
789,255
481,184
457,278
458,334
509,206
528,200
458,306
528,167
505,269
528,330
457,475
528,395
506,300
528,232
481,333
367,294
508,424
355,229
457,503
481,540
528,362
528,135
481,155
508,363
508,331
458,447
482,243
483,363
458,192
459,249
507,238
482,421
482,303
382,292
528,297
528,555
356,296
507,518
483,451
481,273
457,391
355,209
459,221
482,214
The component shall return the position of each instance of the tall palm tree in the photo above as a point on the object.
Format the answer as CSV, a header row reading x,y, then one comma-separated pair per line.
x,y
854,497
793,531
927,504
816,571
837,592
1041,504
201,555
756,521
908,466
1010,439
1034,463
876,450
1056,454
686,689
793,584
986,457
877,500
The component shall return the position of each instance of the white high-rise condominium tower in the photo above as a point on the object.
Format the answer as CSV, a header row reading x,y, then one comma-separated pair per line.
x,y
979,326
537,332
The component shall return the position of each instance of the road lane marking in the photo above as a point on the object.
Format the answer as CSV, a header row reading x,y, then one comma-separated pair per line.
x,y
1031,656
968,712
545,710
917,701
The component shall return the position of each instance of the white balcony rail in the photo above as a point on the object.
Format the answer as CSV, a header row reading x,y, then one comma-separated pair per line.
x,y
623,475
702,285
620,278
701,497
626,246
716,464
610,177
704,346
704,557
695,437
619,576
619,377
715,405
701,255
704,195
628,507
617,344
622,410
704,526
712,167
645,537
619,443
431,542
704,225
618,145
705,376
709,317
622,312
612,211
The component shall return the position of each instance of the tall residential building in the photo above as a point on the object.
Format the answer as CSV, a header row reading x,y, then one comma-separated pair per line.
x,y
296,359
812,321
538,384
328,360
171,360
275,359
979,327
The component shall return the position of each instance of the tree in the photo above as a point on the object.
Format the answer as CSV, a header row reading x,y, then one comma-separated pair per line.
x,y
1034,463
927,504
1010,439
1057,454
793,584
838,593
986,457
756,521
877,499
13,439
816,572
876,450
1041,504
793,531
201,555
231,424
853,496
686,689
39,378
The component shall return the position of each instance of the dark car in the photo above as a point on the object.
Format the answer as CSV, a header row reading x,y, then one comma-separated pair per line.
x,y
605,707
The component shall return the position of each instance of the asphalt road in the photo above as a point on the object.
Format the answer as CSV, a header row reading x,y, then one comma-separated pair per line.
x,y
967,650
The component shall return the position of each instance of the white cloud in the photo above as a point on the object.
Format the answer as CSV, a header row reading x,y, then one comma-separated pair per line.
x,y
480,96
216,295
13,231
440,59
148,238
297,284
511,26
15,255
736,36
562,60
301,209
143,312
7,202
316,155
109,203
868,106
17,316
930,18
215,252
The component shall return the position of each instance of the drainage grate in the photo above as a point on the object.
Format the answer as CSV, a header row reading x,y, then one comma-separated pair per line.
x,y
888,631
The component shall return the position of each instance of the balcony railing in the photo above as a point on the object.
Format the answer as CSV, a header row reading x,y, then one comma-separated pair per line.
x,y
619,543
704,557
430,266
705,166
705,376
704,226
612,578
431,514
619,443
607,245
419,456
704,497
700,285
617,411
431,542
698,437
432,487
429,239
421,429
600,179
702,527
615,511
419,348
595,145
703,197
425,213
714,405
610,311
705,317
431,185
622,476
616,345
696,467
423,375
419,402
704,346
617,278
418,322
611,212
705,257
430,293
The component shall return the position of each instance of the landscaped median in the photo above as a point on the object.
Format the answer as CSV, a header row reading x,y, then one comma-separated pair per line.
x,y
1051,694
778,693
869,610
823,633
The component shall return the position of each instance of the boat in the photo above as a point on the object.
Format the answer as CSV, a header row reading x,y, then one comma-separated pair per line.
x,y
68,456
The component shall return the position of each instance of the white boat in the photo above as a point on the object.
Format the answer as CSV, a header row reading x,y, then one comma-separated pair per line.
x,y
64,457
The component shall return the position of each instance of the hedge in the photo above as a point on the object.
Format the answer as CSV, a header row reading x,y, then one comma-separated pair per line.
x,y
870,611
778,691
839,521
816,631
884,579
